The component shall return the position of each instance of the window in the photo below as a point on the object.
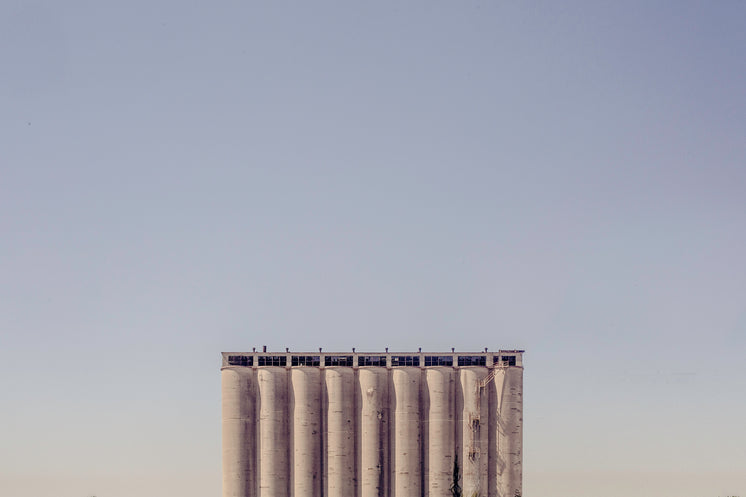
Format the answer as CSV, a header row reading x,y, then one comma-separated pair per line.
x,y
506,360
304,360
273,360
371,360
434,360
472,360
338,360
405,360
240,360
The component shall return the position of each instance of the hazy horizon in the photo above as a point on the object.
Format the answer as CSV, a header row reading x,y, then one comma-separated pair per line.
x,y
179,179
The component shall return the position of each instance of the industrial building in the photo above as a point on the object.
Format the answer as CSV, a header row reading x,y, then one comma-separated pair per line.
x,y
372,424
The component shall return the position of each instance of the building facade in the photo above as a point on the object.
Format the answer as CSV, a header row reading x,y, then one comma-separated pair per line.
x,y
373,424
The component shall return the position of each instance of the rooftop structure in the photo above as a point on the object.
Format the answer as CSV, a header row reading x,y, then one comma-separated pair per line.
x,y
372,424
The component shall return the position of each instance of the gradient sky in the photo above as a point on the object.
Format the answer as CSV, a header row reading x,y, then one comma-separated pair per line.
x,y
180,178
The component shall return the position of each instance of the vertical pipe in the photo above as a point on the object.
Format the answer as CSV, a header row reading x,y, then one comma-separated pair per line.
x,y
474,435
273,432
340,467
374,417
440,450
407,463
306,431
239,432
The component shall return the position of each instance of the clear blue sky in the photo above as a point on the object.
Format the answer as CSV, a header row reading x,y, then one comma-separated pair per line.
x,y
180,178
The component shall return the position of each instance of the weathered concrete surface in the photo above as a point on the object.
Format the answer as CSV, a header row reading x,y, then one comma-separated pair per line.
x,y
305,435
407,466
439,437
474,423
239,432
373,436
340,431
274,464
372,431
508,385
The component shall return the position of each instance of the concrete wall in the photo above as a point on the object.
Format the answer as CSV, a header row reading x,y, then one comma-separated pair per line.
x,y
305,434
371,431
340,432
274,446
407,449
239,432
474,423
439,430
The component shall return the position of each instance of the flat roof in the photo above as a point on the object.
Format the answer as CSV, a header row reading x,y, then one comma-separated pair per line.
x,y
375,352
388,359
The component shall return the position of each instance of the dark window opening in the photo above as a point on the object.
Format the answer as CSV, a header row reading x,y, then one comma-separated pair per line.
x,y
371,360
405,360
304,360
443,360
472,360
338,360
240,360
273,360
507,360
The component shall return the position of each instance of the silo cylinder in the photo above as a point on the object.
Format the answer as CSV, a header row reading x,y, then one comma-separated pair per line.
x,y
340,429
475,431
239,432
306,431
407,439
440,450
273,432
513,415
509,436
374,414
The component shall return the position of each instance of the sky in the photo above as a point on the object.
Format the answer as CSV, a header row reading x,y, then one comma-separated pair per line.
x,y
181,178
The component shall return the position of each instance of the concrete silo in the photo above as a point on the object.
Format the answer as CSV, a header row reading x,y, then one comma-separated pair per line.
x,y
373,434
372,424
508,411
474,422
274,447
340,431
239,432
406,461
440,431
305,430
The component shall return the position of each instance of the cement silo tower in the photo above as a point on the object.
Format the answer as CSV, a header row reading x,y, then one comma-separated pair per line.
x,y
372,424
